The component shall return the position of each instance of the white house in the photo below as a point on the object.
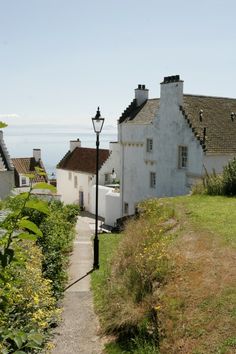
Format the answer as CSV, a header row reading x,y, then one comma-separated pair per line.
x,y
6,170
164,146
76,175
168,143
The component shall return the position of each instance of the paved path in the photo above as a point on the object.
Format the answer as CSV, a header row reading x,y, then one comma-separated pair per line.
x,y
78,332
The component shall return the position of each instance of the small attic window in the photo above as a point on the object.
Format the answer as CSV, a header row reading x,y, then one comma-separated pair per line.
x,y
149,145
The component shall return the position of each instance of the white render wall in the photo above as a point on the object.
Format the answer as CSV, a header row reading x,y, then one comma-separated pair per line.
x,y
169,130
69,193
112,162
216,162
6,183
102,192
112,207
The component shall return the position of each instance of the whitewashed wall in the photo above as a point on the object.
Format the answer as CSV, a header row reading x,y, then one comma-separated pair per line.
x,y
102,192
169,130
216,162
66,188
112,207
6,183
113,162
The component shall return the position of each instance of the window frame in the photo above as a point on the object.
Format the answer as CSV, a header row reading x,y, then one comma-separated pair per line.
x,y
75,181
182,157
106,178
153,179
149,145
24,181
126,208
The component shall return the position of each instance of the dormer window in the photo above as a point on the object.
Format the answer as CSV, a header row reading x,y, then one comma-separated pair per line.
x,y
149,145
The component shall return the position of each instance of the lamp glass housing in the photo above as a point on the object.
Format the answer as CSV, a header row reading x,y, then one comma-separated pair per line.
x,y
97,124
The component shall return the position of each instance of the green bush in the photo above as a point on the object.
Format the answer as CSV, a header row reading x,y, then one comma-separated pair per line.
x,y
36,239
27,306
56,242
219,184
229,178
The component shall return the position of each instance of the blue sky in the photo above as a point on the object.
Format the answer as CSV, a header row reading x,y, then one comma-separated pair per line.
x,y
60,59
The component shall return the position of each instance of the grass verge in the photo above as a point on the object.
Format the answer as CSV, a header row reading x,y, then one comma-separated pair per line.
x,y
170,278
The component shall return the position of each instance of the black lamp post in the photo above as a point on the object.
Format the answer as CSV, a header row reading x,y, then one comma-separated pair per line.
x,y
97,126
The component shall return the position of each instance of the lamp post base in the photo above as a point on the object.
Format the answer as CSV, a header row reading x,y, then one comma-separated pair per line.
x,y
96,253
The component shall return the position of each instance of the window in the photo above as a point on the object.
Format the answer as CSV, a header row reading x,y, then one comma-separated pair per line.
x,y
126,208
106,178
152,179
183,157
149,145
70,175
75,181
23,181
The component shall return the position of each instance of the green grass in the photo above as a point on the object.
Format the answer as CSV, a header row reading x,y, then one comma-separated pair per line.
x,y
107,245
213,213
198,299
138,345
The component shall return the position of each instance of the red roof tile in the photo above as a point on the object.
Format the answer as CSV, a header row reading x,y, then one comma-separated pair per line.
x,y
25,165
83,159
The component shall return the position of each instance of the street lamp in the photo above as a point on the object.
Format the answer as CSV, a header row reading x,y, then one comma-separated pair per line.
x,y
97,126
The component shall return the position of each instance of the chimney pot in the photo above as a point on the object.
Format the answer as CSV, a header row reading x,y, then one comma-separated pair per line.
x,y
37,154
74,144
141,94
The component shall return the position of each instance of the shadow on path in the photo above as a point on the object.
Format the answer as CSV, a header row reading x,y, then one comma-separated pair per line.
x,y
76,281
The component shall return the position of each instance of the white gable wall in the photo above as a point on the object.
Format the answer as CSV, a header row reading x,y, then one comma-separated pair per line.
x,y
112,162
136,164
6,183
169,130
69,192
174,131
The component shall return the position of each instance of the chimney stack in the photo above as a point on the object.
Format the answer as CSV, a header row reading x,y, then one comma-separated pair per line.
x,y
141,94
37,154
74,144
172,90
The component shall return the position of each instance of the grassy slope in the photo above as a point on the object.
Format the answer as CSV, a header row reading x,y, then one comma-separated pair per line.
x,y
198,301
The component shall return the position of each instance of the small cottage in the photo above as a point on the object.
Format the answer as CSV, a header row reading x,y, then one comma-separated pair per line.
x,y
27,165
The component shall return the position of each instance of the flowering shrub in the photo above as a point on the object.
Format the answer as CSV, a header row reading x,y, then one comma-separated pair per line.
x,y
28,308
35,238
127,302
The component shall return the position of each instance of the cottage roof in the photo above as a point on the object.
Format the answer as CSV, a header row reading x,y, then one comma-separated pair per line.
x,y
215,115
26,165
212,119
145,113
5,161
83,160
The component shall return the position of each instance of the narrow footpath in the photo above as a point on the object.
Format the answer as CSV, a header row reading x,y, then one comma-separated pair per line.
x,y
78,331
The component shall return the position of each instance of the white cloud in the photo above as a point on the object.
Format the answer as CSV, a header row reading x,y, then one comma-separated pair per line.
x,y
9,115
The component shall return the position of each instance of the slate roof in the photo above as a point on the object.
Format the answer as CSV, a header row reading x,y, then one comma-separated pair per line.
x,y
220,127
144,113
24,165
83,160
215,129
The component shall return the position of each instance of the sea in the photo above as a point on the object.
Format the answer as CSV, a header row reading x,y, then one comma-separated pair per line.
x,y
53,140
